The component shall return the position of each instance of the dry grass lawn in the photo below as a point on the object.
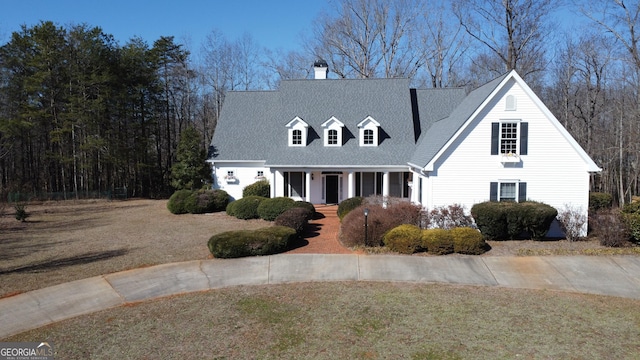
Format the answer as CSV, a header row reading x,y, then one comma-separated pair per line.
x,y
64,241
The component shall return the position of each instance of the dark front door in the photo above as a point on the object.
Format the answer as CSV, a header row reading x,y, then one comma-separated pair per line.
x,y
331,189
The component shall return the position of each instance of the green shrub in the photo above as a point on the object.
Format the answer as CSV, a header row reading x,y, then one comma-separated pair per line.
x,y
511,220
599,200
491,219
307,205
632,222
405,239
295,218
259,188
631,217
347,205
437,241
467,241
537,218
239,243
230,209
206,201
247,207
179,202
270,209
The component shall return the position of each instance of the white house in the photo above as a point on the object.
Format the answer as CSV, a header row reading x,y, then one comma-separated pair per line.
x,y
325,140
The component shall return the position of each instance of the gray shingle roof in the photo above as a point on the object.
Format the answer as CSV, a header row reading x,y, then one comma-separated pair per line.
x,y
252,123
441,131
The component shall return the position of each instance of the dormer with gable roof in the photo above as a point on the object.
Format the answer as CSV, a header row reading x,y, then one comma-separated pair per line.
x,y
298,130
368,132
332,132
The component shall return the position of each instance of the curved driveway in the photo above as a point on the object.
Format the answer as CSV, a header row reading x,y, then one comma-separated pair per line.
x,y
612,275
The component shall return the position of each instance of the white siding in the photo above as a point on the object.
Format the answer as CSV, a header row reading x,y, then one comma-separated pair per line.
x,y
245,172
554,172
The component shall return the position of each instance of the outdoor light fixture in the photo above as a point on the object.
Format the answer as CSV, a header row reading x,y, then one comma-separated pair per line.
x,y
366,233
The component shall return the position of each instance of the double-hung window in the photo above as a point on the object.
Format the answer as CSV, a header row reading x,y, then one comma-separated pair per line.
x,y
509,137
508,190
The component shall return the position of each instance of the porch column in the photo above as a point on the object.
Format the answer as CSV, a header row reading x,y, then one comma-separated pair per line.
x,y
385,187
307,186
350,185
277,183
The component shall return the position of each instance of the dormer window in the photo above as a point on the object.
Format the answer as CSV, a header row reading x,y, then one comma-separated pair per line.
x,y
297,137
332,132
369,132
368,137
297,132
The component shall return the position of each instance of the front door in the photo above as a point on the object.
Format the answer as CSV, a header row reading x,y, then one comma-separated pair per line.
x,y
331,189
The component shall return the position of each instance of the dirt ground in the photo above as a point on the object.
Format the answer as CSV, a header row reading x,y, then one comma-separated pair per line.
x,y
70,240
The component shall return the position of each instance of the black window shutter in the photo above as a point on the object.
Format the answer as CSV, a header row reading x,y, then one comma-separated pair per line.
x,y
495,138
522,192
524,138
493,192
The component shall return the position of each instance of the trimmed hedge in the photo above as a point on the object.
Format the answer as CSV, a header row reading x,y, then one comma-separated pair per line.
x,y
307,205
197,202
177,203
240,243
207,201
437,241
245,208
511,220
295,218
269,209
347,205
405,239
468,241
259,188
230,209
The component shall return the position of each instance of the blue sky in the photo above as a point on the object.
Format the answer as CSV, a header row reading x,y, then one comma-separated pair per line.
x,y
272,24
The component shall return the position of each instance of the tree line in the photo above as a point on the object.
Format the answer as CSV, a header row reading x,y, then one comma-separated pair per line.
x,y
79,112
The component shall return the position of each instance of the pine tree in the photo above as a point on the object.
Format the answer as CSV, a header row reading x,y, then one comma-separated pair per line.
x,y
190,170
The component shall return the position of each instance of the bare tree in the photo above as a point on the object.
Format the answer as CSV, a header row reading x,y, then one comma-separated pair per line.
x,y
515,31
444,44
370,38
287,65
619,20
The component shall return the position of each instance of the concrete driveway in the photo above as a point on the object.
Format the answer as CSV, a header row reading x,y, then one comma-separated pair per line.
x,y
606,275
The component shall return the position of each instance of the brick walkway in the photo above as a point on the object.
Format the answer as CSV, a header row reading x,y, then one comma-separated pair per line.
x,y
322,234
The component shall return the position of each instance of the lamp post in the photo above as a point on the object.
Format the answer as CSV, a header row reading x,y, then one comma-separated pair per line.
x,y
366,225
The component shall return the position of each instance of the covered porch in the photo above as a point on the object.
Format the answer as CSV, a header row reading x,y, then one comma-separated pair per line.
x,y
331,186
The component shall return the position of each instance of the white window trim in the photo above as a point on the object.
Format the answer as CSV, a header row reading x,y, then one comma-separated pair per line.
x,y
516,182
297,124
332,124
369,123
500,196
